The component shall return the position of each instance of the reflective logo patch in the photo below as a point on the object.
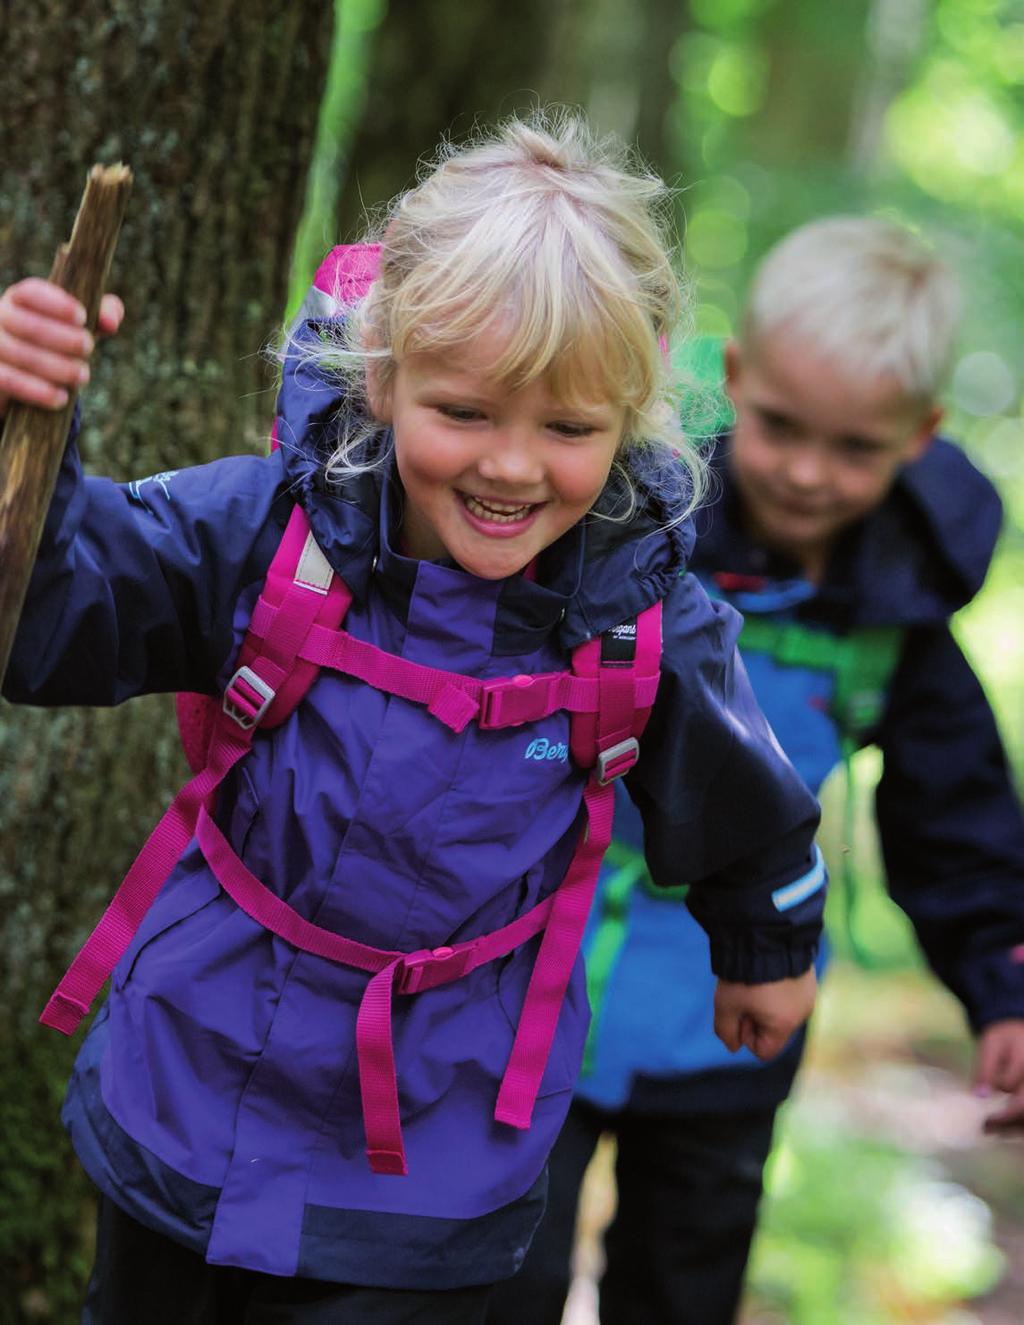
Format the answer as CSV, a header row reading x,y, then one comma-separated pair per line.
x,y
542,749
163,478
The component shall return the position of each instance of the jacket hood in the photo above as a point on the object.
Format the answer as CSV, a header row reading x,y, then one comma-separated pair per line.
x,y
916,558
597,575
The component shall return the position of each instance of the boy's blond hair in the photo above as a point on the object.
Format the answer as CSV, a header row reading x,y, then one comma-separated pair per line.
x,y
864,293
556,240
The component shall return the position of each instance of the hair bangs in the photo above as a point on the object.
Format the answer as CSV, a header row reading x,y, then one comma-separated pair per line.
x,y
565,308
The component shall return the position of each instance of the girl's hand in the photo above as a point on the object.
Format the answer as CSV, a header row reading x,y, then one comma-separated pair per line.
x,y
44,346
763,1017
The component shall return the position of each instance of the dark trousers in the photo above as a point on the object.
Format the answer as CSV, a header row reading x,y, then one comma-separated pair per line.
x,y
143,1278
688,1191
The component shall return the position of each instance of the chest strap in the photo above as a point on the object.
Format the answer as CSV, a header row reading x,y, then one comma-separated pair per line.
x,y
861,664
456,700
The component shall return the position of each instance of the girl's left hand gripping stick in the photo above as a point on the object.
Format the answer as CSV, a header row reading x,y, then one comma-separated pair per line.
x,y
33,438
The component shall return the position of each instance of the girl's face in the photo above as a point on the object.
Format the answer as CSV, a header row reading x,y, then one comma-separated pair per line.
x,y
491,476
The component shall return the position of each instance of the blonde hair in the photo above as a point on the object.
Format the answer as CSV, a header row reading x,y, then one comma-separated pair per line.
x,y
867,294
557,239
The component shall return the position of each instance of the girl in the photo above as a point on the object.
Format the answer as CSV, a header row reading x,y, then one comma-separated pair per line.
x,y
484,450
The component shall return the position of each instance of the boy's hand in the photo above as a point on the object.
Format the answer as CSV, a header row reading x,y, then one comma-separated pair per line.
x,y
999,1065
763,1017
44,347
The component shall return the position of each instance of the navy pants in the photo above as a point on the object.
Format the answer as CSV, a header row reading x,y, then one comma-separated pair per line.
x,y
143,1278
688,1192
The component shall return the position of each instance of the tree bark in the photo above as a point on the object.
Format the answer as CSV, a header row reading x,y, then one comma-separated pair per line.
x,y
438,69
213,104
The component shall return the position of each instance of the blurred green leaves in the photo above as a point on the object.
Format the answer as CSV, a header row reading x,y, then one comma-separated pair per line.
x,y
858,1231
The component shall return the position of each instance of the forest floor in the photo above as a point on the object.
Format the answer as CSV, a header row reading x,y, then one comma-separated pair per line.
x,y
885,1203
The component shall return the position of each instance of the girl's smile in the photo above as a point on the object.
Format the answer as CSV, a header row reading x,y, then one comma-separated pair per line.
x,y
492,475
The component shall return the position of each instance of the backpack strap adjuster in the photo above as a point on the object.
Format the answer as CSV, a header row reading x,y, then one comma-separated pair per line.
x,y
247,697
617,760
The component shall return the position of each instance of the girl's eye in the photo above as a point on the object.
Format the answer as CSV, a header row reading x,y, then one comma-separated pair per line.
x,y
460,413
570,429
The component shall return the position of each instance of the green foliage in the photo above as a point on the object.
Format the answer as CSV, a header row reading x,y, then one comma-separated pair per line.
x,y
354,24
857,1231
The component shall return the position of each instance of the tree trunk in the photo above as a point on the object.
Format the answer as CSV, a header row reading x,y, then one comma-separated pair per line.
x,y
213,103
814,54
440,68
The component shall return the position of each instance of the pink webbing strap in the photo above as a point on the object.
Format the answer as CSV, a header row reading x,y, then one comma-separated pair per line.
x,y
264,666
107,943
454,699
610,743
392,972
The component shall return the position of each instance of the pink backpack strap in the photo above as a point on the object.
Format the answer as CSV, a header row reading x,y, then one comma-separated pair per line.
x,y
344,276
267,684
393,973
606,742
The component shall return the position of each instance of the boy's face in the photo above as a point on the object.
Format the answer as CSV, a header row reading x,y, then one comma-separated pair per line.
x,y
491,476
813,450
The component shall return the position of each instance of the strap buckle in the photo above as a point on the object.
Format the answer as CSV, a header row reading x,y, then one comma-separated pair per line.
x,y
617,760
508,701
247,697
430,967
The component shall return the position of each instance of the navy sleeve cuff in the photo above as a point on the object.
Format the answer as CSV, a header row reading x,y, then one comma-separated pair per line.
x,y
746,958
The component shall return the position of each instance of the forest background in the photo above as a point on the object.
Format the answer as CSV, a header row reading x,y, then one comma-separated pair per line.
x,y
259,134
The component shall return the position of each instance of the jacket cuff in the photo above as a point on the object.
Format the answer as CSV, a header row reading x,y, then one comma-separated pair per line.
x,y
750,959
991,986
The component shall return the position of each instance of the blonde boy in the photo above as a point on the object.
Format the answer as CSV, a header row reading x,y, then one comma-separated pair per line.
x,y
847,534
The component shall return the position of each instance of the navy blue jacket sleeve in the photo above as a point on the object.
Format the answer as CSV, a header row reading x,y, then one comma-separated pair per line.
x,y
724,811
951,827
134,586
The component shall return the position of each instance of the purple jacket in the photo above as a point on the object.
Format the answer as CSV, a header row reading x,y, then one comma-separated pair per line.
x,y
215,1097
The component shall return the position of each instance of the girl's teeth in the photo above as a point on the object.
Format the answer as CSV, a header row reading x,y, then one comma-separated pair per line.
x,y
497,514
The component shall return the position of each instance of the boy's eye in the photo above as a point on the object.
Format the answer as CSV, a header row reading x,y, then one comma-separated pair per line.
x,y
778,425
860,448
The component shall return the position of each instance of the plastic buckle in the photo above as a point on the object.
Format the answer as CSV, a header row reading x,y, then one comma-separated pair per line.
x,y
617,760
242,707
498,702
429,968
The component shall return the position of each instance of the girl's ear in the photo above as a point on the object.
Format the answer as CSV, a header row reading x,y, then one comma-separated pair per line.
x,y
378,393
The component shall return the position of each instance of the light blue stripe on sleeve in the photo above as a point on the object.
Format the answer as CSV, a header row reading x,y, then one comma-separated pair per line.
x,y
792,894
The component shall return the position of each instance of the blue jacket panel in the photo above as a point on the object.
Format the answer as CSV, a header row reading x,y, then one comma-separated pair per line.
x,y
215,1098
950,822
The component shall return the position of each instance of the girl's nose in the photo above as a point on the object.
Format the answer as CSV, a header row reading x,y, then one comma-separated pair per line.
x,y
512,459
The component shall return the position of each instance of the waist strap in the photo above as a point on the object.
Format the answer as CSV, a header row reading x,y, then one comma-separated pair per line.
x,y
399,973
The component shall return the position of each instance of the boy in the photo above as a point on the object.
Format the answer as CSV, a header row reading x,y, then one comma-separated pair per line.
x,y
847,535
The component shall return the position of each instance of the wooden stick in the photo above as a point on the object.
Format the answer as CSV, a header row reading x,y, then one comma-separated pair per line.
x,y
33,438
